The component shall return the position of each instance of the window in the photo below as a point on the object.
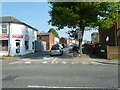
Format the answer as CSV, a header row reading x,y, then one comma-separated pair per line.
x,y
3,45
26,45
4,29
33,45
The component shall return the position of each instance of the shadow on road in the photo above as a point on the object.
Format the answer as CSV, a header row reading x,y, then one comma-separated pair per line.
x,y
91,55
43,54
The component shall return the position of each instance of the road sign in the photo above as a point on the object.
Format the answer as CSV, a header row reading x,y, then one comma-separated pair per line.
x,y
79,33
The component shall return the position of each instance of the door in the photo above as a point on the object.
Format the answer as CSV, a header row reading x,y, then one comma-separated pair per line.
x,y
17,47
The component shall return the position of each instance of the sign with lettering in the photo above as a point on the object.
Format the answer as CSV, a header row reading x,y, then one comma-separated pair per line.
x,y
4,36
17,36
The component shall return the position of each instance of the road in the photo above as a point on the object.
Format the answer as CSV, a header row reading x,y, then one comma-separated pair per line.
x,y
39,70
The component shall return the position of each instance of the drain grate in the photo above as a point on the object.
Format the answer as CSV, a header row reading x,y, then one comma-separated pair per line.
x,y
10,78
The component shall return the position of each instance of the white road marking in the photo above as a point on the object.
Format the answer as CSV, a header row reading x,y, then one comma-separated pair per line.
x,y
74,63
14,63
64,62
44,62
47,58
32,86
53,61
28,62
84,62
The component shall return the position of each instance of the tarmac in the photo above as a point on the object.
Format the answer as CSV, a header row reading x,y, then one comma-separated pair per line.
x,y
86,57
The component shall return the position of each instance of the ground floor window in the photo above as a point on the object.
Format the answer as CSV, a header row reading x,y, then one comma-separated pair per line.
x,y
26,45
3,45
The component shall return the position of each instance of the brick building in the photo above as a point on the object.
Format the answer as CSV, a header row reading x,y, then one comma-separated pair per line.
x,y
118,30
68,41
48,38
110,41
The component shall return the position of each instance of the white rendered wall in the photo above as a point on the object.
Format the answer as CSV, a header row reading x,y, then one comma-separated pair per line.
x,y
56,40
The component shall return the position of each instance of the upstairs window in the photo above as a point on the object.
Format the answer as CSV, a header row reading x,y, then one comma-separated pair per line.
x,y
4,29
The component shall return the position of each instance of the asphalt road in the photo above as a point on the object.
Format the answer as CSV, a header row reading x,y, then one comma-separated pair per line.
x,y
42,71
60,75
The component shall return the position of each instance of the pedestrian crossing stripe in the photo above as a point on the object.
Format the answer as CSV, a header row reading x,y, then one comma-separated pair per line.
x,y
26,59
14,63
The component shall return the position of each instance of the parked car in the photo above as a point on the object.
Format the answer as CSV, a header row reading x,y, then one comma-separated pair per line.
x,y
56,50
76,47
69,46
64,45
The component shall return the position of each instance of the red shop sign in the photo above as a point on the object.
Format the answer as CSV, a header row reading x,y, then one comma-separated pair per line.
x,y
17,36
4,36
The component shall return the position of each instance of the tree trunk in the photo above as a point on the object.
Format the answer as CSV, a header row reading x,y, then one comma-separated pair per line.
x,y
80,40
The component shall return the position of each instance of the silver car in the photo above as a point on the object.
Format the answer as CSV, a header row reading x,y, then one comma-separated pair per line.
x,y
56,50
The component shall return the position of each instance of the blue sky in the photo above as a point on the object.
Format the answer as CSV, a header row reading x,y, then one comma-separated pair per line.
x,y
34,14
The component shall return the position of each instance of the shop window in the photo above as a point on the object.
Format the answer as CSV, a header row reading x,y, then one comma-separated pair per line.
x,y
4,29
26,45
3,45
33,45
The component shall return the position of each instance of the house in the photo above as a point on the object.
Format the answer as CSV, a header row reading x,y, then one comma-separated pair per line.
x,y
16,37
48,38
65,40
68,41
109,40
56,40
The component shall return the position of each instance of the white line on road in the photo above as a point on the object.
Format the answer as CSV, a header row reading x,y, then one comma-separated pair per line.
x,y
14,63
44,62
31,86
53,61
64,62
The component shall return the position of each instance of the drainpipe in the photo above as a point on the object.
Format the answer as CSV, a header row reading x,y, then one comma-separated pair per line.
x,y
9,40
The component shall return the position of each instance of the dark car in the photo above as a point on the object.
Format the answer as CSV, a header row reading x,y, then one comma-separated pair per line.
x,y
76,47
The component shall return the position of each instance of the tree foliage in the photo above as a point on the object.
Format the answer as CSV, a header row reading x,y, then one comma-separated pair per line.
x,y
78,15
53,31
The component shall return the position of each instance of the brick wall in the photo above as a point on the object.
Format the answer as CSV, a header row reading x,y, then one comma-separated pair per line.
x,y
118,31
48,38
113,52
51,41
104,33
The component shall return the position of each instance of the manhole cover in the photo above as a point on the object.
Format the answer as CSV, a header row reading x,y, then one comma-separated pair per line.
x,y
10,78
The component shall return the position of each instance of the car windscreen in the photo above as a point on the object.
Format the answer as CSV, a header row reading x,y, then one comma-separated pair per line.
x,y
55,48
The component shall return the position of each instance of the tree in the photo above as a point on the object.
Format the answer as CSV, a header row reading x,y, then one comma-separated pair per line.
x,y
53,31
78,15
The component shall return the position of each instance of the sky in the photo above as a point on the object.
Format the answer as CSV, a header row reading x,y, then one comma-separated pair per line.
x,y
34,14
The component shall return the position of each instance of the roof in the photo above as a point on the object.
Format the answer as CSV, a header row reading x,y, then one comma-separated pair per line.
x,y
10,19
44,34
